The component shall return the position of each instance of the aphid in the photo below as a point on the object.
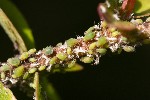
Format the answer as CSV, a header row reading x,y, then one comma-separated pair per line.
x,y
69,51
24,56
89,36
13,61
148,19
31,51
92,46
61,56
41,68
102,51
32,70
4,68
115,33
124,39
101,41
32,60
53,60
90,52
25,76
18,72
128,48
3,75
87,59
90,30
104,24
137,21
48,50
112,29
71,42
58,44
71,63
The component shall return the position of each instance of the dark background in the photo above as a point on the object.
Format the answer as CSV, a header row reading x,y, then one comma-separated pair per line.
x,y
117,77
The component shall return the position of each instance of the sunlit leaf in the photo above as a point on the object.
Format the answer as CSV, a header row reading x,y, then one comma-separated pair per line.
x,y
142,7
5,93
18,21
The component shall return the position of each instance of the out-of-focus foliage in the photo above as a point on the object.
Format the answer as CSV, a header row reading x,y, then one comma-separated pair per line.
x,y
5,93
18,21
142,7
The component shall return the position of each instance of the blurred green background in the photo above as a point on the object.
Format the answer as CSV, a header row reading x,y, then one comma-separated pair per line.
x,y
117,77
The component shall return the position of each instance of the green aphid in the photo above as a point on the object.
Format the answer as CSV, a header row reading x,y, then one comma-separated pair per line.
x,y
115,33
41,68
104,24
90,30
71,42
25,76
90,52
102,51
24,56
101,41
4,68
112,29
57,66
3,75
128,48
71,63
92,46
53,60
137,21
48,50
87,59
119,50
69,51
61,56
32,60
32,70
32,85
148,19
59,44
124,39
89,36
146,41
13,61
31,51
18,72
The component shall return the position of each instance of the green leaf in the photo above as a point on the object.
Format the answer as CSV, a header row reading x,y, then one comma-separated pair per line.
x,y
48,90
12,32
142,7
18,21
5,93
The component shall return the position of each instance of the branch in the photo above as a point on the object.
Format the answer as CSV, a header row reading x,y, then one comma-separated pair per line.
x,y
88,49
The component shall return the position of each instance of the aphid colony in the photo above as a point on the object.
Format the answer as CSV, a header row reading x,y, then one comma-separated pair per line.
x,y
87,49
